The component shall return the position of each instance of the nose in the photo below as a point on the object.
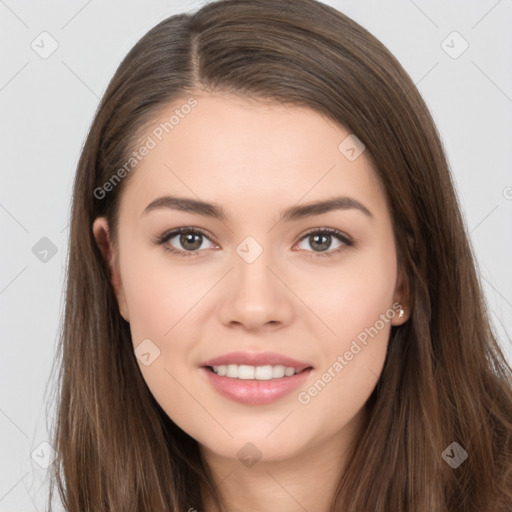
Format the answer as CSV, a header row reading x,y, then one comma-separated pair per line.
x,y
255,296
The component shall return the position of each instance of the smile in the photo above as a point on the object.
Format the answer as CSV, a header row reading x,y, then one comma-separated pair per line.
x,y
255,391
247,372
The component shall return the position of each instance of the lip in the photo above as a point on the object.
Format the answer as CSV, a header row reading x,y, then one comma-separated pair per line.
x,y
255,392
257,359
252,391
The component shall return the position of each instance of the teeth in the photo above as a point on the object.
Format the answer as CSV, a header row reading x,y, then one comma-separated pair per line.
x,y
247,372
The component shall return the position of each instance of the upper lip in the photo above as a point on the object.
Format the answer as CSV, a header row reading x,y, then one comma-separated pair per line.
x,y
256,359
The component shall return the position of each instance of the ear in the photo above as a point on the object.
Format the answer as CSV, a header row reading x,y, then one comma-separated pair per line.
x,y
401,300
101,233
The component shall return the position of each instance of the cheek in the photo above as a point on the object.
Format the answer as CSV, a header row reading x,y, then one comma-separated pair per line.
x,y
352,350
354,301
161,299
350,296
159,293
164,299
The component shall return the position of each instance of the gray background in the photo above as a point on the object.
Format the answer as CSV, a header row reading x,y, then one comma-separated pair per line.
x,y
46,106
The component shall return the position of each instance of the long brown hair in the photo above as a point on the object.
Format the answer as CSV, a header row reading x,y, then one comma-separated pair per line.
x,y
445,378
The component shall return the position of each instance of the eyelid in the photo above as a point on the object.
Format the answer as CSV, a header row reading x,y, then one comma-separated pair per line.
x,y
170,233
330,231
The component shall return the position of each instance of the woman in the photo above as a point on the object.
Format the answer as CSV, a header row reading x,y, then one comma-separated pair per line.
x,y
272,303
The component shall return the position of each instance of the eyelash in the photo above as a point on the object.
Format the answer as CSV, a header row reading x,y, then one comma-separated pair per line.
x,y
347,242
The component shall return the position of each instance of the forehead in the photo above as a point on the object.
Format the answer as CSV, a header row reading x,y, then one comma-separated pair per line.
x,y
244,153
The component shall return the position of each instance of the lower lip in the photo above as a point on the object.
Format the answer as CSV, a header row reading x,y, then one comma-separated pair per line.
x,y
255,392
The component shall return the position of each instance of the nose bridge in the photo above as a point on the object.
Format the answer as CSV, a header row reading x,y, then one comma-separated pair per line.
x,y
256,296
251,271
251,251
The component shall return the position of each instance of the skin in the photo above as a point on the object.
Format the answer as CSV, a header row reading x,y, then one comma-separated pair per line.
x,y
254,160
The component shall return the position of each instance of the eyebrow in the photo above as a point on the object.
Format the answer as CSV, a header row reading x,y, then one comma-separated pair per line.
x,y
289,214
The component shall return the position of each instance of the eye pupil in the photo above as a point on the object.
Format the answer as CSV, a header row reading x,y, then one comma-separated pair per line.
x,y
323,241
190,238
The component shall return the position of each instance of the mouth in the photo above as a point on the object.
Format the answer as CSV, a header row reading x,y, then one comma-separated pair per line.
x,y
257,383
255,378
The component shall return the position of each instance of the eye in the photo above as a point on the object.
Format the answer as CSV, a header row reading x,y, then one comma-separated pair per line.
x,y
188,241
321,240
183,241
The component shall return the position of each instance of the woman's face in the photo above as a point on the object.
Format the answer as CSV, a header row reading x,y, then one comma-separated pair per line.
x,y
263,277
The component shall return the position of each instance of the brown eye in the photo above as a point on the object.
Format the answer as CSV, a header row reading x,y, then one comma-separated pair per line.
x,y
320,242
325,242
184,241
190,241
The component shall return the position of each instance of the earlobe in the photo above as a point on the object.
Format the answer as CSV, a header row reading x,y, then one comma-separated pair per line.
x,y
401,305
101,233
